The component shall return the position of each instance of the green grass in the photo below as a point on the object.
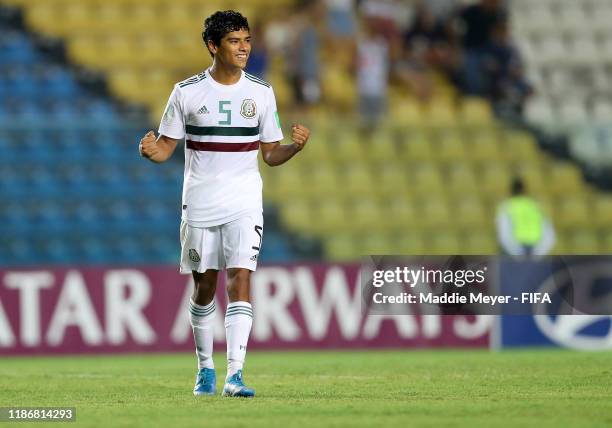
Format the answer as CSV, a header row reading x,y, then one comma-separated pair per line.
x,y
542,388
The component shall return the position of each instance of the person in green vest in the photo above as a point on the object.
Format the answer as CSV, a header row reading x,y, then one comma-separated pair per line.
x,y
522,227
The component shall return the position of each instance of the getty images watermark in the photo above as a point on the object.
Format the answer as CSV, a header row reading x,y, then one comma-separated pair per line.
x,y
483,285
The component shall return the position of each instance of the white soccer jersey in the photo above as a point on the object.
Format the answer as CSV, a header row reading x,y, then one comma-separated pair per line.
x,y
223,126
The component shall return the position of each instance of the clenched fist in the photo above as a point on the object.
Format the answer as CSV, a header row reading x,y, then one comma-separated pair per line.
x,y
299,135
148,145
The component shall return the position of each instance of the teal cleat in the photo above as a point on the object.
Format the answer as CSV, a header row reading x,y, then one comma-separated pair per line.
x,y
206,382
234,387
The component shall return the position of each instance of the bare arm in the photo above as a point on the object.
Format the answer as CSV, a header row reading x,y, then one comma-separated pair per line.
x,y
275,154
158,149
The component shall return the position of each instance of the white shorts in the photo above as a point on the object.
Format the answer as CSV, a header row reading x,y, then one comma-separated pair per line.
x,y
231,245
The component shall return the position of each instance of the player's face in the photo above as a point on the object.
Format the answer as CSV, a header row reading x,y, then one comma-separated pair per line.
x,y
234,49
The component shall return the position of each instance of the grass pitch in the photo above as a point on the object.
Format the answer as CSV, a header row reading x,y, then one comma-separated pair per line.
x,y
542,388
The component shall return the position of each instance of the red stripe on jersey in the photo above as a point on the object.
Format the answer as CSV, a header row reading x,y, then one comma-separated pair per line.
x,y
222,147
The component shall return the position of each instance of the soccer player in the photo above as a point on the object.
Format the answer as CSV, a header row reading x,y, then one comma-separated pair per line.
x,y
225,116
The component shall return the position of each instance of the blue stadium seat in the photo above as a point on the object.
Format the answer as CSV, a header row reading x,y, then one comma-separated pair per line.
x,y
58,83
16,49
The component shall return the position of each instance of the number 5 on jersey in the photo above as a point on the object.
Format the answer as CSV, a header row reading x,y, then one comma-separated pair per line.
x,y
226,111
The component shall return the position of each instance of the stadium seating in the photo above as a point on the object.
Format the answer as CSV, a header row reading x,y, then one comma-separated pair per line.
x,y
567,48
73,185
428,180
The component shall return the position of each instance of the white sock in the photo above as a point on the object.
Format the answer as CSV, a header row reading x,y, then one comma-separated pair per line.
x,y
238,322
202,321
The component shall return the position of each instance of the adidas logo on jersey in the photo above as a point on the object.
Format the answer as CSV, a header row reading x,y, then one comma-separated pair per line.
x,y
203,110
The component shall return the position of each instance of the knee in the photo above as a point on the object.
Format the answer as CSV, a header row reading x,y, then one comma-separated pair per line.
x,y
238,281
205,286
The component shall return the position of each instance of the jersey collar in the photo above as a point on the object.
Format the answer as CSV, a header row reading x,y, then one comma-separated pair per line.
x,y
223,87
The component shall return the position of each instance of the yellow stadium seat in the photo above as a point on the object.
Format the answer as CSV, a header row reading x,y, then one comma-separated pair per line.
x,y
440,114
296,215
532,175
407,113
519,147
323,181
449,147
483,147
442,242
564,178
392,181
285,182
143,15
282,90
494,180
365,214
340,247
346,147
380,146
320,144
434,212
461,179
330,217
572,211
338,88
84,50
426,179
545,203
43,18
468,211
606,242
116,52
357,181
475,112
416,147
478,242
372,243
408,243
603,211
583,241
400,214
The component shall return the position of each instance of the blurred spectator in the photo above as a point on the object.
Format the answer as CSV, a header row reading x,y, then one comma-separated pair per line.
x,y
373,63
304,57
258,59
387,17
522,227
426,43
507,86
341,19
441,9
476,24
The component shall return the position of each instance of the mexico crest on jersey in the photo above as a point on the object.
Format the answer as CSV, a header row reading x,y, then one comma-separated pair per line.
x,y
194,256
248,109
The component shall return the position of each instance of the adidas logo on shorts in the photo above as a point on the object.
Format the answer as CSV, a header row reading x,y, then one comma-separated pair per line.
x,y
254,258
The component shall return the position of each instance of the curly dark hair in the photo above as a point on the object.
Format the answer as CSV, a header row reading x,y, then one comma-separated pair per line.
x,y
220,23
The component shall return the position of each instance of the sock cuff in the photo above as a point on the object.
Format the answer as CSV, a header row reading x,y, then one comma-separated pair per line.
x,y
239,308
201,311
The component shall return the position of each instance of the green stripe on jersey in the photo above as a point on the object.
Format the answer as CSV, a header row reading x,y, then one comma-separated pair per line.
x,y
252,76
226,131
256,80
